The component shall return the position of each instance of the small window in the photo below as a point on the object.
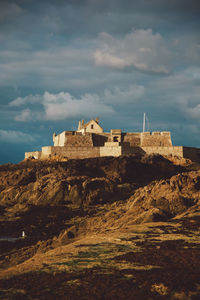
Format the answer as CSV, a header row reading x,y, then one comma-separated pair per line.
x,y
115,139
92,126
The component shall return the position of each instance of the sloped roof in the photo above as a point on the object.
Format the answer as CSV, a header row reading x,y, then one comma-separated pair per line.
x,y
85,125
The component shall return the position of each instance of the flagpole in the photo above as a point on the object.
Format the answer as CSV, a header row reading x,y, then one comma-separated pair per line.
x,y
144,118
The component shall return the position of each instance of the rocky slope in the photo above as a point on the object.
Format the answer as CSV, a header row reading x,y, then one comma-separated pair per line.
x,y
37,194
58,204
79,182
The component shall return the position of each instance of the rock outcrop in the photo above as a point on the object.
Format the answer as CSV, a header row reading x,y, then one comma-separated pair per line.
x,y
132,190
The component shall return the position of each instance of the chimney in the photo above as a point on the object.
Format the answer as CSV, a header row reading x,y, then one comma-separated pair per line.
x,y
97,120
82,123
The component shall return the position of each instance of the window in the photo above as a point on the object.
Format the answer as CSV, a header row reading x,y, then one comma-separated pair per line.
x,y
115,139
92,126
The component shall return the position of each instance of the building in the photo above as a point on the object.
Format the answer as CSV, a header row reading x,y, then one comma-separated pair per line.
x,y
90,140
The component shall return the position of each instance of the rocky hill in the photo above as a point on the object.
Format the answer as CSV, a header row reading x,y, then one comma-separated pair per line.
x,y
64,204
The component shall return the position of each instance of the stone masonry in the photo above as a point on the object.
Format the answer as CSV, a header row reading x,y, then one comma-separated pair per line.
x,y
90,140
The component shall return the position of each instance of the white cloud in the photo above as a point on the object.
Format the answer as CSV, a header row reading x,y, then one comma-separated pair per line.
x,y
25,115
28,99
13,136
178,92
61,106
106,59
140,49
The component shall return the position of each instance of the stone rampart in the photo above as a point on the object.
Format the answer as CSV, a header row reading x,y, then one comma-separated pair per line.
x,y
75,152
173,150
134,138
126,151
46,152
79,140
111,150
158,139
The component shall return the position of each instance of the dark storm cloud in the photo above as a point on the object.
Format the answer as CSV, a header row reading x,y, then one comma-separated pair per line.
x,y
9,10
90,16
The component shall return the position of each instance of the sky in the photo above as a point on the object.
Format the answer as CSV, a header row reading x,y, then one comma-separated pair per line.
x,y
63,61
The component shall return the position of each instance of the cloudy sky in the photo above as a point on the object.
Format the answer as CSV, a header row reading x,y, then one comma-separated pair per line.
x,y
61,61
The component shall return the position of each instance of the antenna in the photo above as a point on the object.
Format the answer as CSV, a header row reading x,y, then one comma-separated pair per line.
x,y
144,118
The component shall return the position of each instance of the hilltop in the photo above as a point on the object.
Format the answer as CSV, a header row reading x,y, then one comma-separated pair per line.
x,y
121,225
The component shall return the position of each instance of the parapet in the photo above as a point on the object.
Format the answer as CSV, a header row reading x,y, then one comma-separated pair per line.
x,y
116,131
156,139
156,133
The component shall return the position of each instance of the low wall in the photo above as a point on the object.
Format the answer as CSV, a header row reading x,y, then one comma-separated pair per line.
x,y
34,154
132,150
111,151
75,152
174,150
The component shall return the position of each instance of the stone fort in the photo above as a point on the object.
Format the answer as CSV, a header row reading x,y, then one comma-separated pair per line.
x,y
90,140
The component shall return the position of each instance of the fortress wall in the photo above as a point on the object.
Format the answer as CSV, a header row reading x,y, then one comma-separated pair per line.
x,y
132,151
46,151
75,152
79,140
134,138
173,150
111,151
191,153
86,152
156,139
62,139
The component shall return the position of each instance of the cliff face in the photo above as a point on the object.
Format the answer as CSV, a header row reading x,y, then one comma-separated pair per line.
x,y
34,190
42,196
79,182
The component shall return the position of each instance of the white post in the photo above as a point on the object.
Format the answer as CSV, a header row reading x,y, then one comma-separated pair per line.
x,y
144,118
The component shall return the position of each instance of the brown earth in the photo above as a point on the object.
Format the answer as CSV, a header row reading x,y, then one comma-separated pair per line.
x,y
103,228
